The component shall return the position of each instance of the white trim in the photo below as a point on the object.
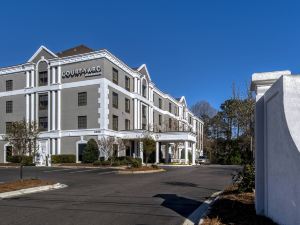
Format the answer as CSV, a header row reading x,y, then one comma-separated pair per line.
x,y
147,72
39,50
16,69
53,118
77,148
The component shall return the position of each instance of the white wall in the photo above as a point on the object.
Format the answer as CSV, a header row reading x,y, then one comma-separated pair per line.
x,y
277,151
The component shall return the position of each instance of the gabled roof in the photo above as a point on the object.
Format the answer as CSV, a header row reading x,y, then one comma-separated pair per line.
x,y
42,48
143,70
80,49
182,100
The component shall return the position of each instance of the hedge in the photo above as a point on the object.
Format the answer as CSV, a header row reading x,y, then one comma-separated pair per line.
x,y
25,160
63,159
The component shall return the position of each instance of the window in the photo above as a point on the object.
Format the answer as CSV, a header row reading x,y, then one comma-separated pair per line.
x,y
43,78
127,124
82,122
160,103
127,83
8,126
9,107
144,127
43,102
115,122
115,100
144,88
115,150
9,85
115,76
43,123
82,98
144,111
127,105
159,119
170,107
170,123
190,120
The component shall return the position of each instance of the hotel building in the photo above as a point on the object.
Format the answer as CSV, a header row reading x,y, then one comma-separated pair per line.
x,y
80,93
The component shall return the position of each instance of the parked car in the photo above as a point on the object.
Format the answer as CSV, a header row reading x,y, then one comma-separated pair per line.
x,y
202,160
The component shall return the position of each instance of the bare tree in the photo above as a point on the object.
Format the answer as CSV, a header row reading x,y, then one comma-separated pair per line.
x,y
22,136
107,147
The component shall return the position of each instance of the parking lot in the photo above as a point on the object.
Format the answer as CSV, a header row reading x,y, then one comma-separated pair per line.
x,y
99,196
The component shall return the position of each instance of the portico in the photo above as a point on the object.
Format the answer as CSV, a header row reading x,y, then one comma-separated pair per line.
x,y
170,146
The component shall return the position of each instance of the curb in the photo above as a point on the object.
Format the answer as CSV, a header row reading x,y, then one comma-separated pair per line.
x,y
25,191
197,216
140,172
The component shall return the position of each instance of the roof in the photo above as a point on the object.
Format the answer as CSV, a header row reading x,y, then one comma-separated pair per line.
x,y
80,49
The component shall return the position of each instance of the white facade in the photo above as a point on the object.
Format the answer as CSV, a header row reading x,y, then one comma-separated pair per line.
x,y
277,134
190,133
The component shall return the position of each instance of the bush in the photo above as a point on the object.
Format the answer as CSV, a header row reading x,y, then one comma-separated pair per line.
x,y
90,152
247,183
116,163
63,159
25,160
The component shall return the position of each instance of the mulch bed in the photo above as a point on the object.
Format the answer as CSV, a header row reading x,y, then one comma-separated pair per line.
x,y
235,208
9,164
21,184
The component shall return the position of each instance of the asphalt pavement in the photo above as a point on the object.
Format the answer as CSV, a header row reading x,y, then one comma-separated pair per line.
x,y
98,196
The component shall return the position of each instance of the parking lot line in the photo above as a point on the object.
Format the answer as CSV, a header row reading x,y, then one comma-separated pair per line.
x,y
82,171
58,170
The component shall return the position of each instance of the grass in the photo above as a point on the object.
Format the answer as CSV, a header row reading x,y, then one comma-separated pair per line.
x,y
22,184
235,208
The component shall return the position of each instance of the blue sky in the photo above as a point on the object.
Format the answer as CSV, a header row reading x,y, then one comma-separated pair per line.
x,y
192,48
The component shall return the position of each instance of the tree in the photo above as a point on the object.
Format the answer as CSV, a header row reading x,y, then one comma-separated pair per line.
x,y
22,136
110,146
203,109
149,147
90,152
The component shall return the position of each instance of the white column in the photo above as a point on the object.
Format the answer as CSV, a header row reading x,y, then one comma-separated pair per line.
x,y
32,104
167,146
53,75
186,155
139,114
193,153
59,74
53,146
58,110
157,153
27,79
104,101
49,110
141,151
135,114
32,78
58,146
135,85
36,107
53,111
139,86
27,108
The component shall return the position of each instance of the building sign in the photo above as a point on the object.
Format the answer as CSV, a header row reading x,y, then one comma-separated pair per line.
x,y
86,72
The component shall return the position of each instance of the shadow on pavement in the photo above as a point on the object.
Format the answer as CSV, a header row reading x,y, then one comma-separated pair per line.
x,y
180,205
188,184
